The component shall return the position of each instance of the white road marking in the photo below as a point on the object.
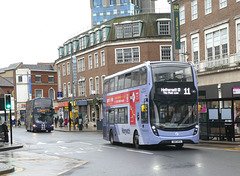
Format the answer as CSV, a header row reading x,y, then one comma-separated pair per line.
x,y
110,147
138,151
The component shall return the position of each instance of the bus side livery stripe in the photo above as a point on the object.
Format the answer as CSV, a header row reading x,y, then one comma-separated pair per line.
x,y
124,98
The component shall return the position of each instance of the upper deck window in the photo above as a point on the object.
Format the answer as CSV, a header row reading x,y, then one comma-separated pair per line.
x,y
170,73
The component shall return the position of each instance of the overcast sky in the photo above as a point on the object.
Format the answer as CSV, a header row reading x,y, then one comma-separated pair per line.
x,y
32,30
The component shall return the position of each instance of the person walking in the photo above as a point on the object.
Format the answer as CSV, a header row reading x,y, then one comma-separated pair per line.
x,y
5,131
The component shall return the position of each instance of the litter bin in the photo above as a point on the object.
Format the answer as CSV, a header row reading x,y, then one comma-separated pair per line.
x,y
229,131
99,125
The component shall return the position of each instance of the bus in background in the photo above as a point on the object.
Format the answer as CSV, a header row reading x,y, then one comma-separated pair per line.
x,y
152,103
39,115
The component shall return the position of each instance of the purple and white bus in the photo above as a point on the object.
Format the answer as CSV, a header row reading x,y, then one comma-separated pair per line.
x,y
152,103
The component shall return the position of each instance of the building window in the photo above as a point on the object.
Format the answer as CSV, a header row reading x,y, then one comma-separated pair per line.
x,y
238,38
127,55
195,50
164,28
112,2
194,9
97,85
96,60
222,3
20,79
68,68
102,82
63,70
183,51
90,62
128,30
97,3
59,80
66,50
38,78
208,6
69,90
92,39
136,29
165,53
217,44
82,87
64,90
38,93
102,58
51,79
98,37
51,93
104,33
81,65
182,14
91,91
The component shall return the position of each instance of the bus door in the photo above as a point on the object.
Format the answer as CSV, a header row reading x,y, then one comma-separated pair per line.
x,y
142,117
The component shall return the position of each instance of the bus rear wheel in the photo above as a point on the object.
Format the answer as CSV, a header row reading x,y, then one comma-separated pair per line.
x,y
136,140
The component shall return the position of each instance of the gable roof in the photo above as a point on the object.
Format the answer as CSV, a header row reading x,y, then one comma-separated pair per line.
x,y
5,83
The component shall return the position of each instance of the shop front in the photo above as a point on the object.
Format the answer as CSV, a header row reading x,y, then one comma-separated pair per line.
x,y
219,107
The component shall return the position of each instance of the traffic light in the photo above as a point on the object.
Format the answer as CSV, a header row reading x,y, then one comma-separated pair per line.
x,y
7,101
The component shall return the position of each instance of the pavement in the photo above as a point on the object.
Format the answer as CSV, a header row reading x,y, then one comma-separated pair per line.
x,y
6,168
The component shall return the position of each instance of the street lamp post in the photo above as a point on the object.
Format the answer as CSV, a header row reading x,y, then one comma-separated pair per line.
x,y
172,29
73,107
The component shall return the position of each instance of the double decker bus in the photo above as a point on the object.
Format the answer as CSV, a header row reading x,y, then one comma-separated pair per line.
x,y
152,103
39,115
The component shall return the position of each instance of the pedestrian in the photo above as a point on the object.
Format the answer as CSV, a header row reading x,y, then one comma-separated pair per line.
x,y
19,122
56,122
86,121
61,121
80,122
65,122
5,131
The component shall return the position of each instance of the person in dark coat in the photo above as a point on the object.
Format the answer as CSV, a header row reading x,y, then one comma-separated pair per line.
x,y
5,131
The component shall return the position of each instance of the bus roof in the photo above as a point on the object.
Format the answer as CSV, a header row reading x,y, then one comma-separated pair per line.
x,y
146,64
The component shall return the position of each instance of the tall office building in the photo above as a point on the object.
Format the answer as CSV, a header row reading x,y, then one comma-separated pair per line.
x,y
104,10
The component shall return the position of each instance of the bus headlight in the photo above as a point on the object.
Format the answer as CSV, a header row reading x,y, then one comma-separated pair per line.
x,y
154,129
195,130
34,125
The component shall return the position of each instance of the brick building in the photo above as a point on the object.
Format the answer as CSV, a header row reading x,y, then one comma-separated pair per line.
x,y
30,81
113,46
210,33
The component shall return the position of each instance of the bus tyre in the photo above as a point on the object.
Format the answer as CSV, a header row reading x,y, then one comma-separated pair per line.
x,y
111,138
136,140
179,146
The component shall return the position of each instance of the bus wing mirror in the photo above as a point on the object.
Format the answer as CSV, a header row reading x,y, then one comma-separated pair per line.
x,y
144,108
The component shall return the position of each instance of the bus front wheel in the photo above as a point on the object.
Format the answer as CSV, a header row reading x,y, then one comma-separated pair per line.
x,y
136,140
111,138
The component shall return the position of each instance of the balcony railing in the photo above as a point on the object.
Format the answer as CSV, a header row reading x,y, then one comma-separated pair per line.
x,y
218,63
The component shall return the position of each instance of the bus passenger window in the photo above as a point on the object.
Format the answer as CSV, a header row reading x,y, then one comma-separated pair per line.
x,y
106,86
116,83
111,85
143,76
121,82
128,80
126,115
111,116
121,115
135,78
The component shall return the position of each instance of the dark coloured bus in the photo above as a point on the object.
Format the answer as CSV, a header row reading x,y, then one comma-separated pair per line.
x,y
39,115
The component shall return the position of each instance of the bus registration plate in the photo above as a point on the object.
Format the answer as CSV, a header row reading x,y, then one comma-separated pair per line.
x,y
177,142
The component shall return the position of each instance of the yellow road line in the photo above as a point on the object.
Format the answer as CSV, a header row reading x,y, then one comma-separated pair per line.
x,y
78,165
